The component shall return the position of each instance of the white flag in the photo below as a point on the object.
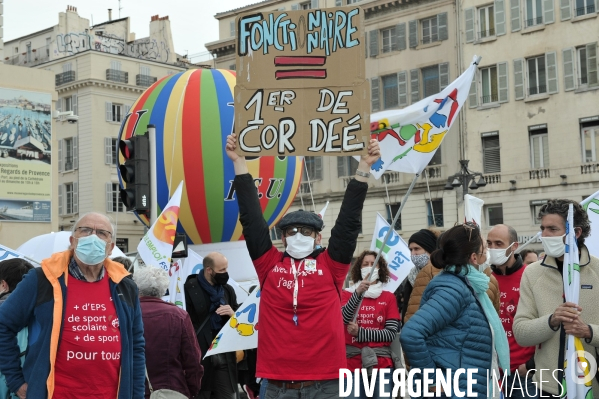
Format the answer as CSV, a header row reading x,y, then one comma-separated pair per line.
x,y
591,205
156,247
395,251
473,209
241,331
410,136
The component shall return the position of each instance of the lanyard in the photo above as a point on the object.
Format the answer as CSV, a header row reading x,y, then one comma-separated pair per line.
x,y
295,287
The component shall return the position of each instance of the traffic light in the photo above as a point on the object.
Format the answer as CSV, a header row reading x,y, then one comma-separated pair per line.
x,y
135,173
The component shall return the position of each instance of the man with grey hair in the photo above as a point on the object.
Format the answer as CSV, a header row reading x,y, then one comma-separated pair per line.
x,y
172,352
84,319
543,318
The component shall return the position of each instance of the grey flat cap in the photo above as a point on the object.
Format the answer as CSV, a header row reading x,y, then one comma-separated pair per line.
x,y
302,218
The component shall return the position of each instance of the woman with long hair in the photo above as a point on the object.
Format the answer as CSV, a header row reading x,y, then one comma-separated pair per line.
x,y
456,326
368,338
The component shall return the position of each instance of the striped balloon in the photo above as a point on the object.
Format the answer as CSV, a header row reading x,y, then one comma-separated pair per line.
x,y
193,114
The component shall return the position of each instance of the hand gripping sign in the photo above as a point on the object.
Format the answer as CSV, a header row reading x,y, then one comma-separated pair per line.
x,y
301,86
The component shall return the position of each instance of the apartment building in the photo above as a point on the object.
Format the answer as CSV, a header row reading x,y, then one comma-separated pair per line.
x,y
99,72
530,126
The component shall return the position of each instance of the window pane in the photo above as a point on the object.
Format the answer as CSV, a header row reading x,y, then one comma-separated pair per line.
x,y
587,142
391,95
495,215
491,15
542,81
535,149
486,85
545,149
494,93
582,58
532,76
430,80
482,18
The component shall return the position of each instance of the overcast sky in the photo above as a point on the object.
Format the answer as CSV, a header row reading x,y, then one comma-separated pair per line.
x,y
192,21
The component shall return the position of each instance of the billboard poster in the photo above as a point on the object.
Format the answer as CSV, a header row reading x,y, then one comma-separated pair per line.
x,y
25,155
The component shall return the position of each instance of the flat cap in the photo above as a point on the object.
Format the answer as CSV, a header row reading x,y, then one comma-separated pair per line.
x,y
302,218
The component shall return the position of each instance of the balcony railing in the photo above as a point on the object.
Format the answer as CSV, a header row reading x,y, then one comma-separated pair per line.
x,y
590,9
539,174
534,21
533,90
115,75
493,98
434,172
145,80
391,178
587,168
486,33
65,77
68,163
492,179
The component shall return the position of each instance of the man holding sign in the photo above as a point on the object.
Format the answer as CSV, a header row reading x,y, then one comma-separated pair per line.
x,y
301,342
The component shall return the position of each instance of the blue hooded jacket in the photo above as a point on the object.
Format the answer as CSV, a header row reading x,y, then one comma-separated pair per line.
x,y
450,331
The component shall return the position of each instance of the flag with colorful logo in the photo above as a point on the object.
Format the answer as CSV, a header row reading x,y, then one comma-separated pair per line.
x,y
241,332
178,273
395,251
410,136
591,205
577,381
156,247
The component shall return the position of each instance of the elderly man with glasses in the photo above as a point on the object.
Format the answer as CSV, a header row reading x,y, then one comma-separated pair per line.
x,y
84,319
301,346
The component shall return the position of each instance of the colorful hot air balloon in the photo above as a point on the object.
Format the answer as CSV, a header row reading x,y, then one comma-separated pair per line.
x,y
193,114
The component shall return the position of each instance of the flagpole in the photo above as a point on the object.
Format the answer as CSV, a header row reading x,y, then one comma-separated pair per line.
x,y
527,243
387,236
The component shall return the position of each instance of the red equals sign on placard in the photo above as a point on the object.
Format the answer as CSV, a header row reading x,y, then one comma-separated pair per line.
x,y
300,61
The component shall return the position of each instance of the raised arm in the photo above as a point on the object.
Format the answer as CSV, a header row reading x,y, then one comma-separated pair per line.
x,y
344,234
255,229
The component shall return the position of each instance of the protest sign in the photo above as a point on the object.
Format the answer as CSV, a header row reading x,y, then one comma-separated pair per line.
x,y
301,86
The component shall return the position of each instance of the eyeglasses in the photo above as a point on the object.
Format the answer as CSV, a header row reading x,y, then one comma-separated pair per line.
x,y
87,231
304,230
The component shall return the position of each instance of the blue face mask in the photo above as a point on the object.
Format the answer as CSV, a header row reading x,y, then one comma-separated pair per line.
x,y
91,250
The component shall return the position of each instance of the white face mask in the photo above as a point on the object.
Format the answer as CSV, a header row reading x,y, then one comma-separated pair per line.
x,y
497,257
299,246
366,271
554,246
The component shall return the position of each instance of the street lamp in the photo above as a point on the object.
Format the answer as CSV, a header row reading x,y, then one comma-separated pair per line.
x,y
465,178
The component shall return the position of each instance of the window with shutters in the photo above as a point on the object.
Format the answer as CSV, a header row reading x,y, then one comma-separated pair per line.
x,y
491,153
67,148
346,166
486,22
430,81
590,143
494,214
489,91
539,148
117,112
114,151
390,91
534,12
305,6
536,75
392,210
353,1
430,31
389,38
68,197
114,200
434,210
584,7
314,167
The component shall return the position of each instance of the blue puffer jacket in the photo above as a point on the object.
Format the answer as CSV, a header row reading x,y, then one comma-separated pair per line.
x,y
450,331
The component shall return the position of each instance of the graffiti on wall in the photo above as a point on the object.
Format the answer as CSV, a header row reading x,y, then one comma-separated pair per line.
x,y
109,43
149,49
72,43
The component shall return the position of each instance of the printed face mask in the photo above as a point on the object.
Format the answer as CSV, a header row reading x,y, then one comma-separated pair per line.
x,y
299,246
420,260
554,246
497,257
91,250
366,270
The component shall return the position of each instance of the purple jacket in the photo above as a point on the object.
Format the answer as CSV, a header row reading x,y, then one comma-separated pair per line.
x,y
172,352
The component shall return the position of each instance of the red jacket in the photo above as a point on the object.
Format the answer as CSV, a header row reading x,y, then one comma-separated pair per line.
x,y
172,352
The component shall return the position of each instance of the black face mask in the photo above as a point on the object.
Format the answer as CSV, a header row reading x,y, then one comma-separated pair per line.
x,y
221,278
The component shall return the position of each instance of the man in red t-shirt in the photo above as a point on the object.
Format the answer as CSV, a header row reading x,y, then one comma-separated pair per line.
x,y
507,267
301,344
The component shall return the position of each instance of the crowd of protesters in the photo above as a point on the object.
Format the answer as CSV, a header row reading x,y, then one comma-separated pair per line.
x,y
79,327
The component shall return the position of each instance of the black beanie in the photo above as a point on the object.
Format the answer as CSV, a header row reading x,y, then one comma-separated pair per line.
x,y
426,239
